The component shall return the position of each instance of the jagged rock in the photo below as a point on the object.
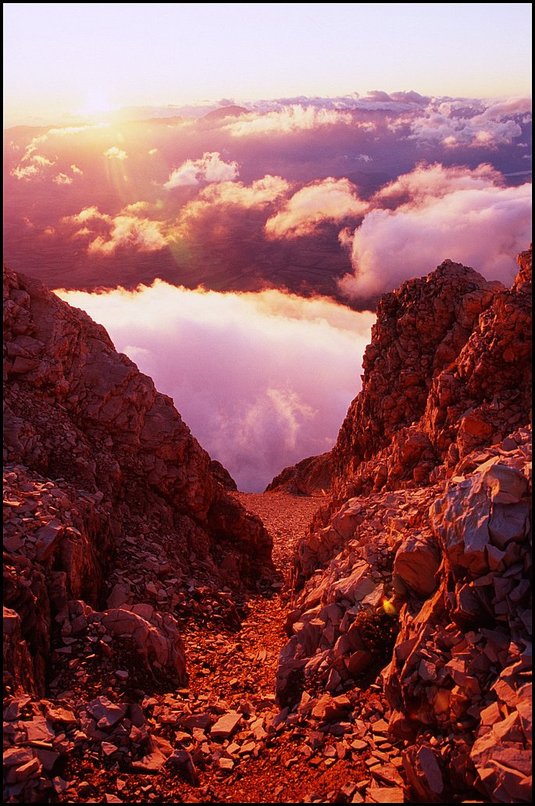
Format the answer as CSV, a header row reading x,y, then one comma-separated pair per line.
x,y
431,482
424,774
106,713
308,477
158,643
154,761
416,563
108,455
222,476
385,794
181,760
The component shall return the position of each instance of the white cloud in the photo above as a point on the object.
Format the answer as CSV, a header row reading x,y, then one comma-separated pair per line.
x,y
448,213
125,229
62,179
326,200
115,153
209,168
465,122
260,193
141,234
286,120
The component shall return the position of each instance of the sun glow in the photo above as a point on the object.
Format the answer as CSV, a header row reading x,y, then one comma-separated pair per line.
x,y
96,107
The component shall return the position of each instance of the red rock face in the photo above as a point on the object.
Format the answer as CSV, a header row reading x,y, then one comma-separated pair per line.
x,y
308,477
430,524
443,348
448,369
103,480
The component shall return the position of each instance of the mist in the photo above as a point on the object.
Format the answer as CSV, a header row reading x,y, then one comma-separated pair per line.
x,y
262,379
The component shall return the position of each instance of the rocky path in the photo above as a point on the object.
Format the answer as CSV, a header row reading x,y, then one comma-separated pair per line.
x,y
272,756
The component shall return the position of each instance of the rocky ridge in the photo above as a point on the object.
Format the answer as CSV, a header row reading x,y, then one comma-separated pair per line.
x,y
429,529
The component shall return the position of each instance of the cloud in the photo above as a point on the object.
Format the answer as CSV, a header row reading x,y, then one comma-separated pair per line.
x,y
115,153
25,171
31,165
466,216
262,380
436,180
286,120
87,214
209,168
474,123
224,195
62,179
124,230
141,234
326,200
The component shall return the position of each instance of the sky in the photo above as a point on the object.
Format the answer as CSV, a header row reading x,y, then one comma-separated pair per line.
x,y
82,58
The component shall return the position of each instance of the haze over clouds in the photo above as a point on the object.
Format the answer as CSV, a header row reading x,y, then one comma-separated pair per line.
x,y
66,59
263,380
468,217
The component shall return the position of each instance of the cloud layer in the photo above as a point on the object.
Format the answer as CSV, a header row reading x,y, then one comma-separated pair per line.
x,y
263,380
290,193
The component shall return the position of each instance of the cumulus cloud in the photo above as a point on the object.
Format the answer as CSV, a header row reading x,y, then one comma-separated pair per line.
x,y
141,234
258,194
468,217
436,180
326,200
473,123
65,179
25,171
115,153
295,117
62,179
124,230
209,168
262,380
31,165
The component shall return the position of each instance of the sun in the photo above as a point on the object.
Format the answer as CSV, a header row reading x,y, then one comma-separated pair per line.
x,y
96,105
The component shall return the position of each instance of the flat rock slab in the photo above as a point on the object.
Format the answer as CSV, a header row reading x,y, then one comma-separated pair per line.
x,y
385,794
225,725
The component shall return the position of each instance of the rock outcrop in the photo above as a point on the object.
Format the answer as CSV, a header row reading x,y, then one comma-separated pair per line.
x,y
112,510
415,575
311,476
